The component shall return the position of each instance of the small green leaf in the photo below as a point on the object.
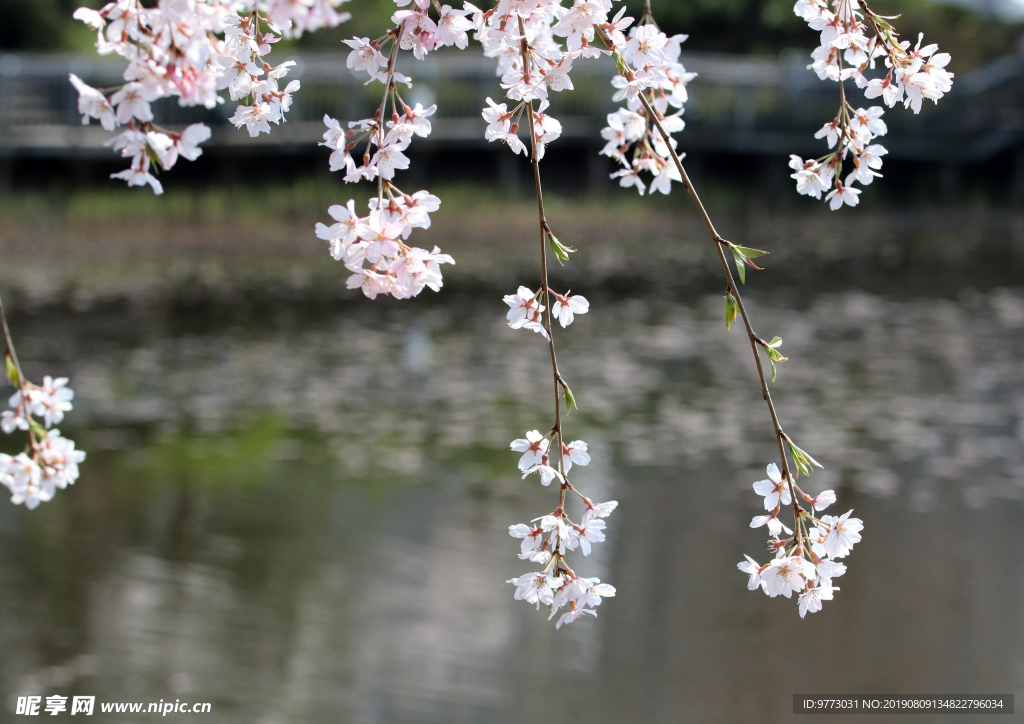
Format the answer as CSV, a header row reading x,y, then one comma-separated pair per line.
x,y
619,62
802,459
38,429
561,250
774,355
557,248
730,310
752,253
154,159
741,267
570,401
12,372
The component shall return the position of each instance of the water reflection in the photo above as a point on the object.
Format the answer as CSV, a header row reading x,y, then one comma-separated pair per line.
x,y
299,515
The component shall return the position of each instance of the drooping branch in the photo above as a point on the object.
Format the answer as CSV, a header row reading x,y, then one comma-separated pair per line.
x,y
730,282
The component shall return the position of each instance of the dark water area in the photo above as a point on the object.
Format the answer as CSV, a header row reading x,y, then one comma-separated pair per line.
x,y
299,513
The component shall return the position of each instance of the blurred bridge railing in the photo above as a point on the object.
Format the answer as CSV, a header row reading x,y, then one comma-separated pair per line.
x,y
737,104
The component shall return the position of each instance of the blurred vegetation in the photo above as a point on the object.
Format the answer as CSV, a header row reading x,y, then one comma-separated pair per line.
x,y
764,27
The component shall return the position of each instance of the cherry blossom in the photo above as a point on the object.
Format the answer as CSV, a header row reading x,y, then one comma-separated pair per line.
x,y
810,600
773,489
546,472
93,104
574,452
566,307
822,500
525,311
191,49
589,533
843,533
194,49
533,538
650,59
534,447
536,588
256,118
50,461
572,615
805,559
825,570
775,526
852,38
452,27
594,591
783,576
598,510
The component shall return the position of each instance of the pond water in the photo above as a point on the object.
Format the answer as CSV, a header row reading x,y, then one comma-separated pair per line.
x,y
299,513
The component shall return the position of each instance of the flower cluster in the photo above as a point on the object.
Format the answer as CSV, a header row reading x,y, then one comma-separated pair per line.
x,y
850,133
852,38
376,240
547,541
50,461
805,561
651,59
521,35
372,247
532,64
526,311
191,49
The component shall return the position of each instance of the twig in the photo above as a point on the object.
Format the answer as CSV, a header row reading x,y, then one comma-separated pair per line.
x,y
544,231
730,283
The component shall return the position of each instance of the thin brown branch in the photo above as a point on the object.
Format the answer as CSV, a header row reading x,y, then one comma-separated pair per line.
x,y
17,367
10,342
384,102
730,283
544,231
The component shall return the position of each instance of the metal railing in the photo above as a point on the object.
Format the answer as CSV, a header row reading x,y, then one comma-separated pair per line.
x,y
737,104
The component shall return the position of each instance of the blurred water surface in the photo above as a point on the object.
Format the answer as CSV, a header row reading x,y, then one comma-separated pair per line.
x,y
300,513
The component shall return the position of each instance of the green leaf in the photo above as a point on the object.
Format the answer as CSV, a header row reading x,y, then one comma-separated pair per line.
x,y
561,250
557,248
12,372
619,62
730,310
741,267
774,355
803,461
38,429
752,253
570,401
154,159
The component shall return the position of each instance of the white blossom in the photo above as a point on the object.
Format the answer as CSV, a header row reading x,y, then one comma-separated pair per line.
x,y
811,599
598,510
843,533
785,575
591,532
566,307
574,452
546,472
774,489
534,447
752,569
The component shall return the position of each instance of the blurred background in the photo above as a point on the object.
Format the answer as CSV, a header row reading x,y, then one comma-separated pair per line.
x,y
296,501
